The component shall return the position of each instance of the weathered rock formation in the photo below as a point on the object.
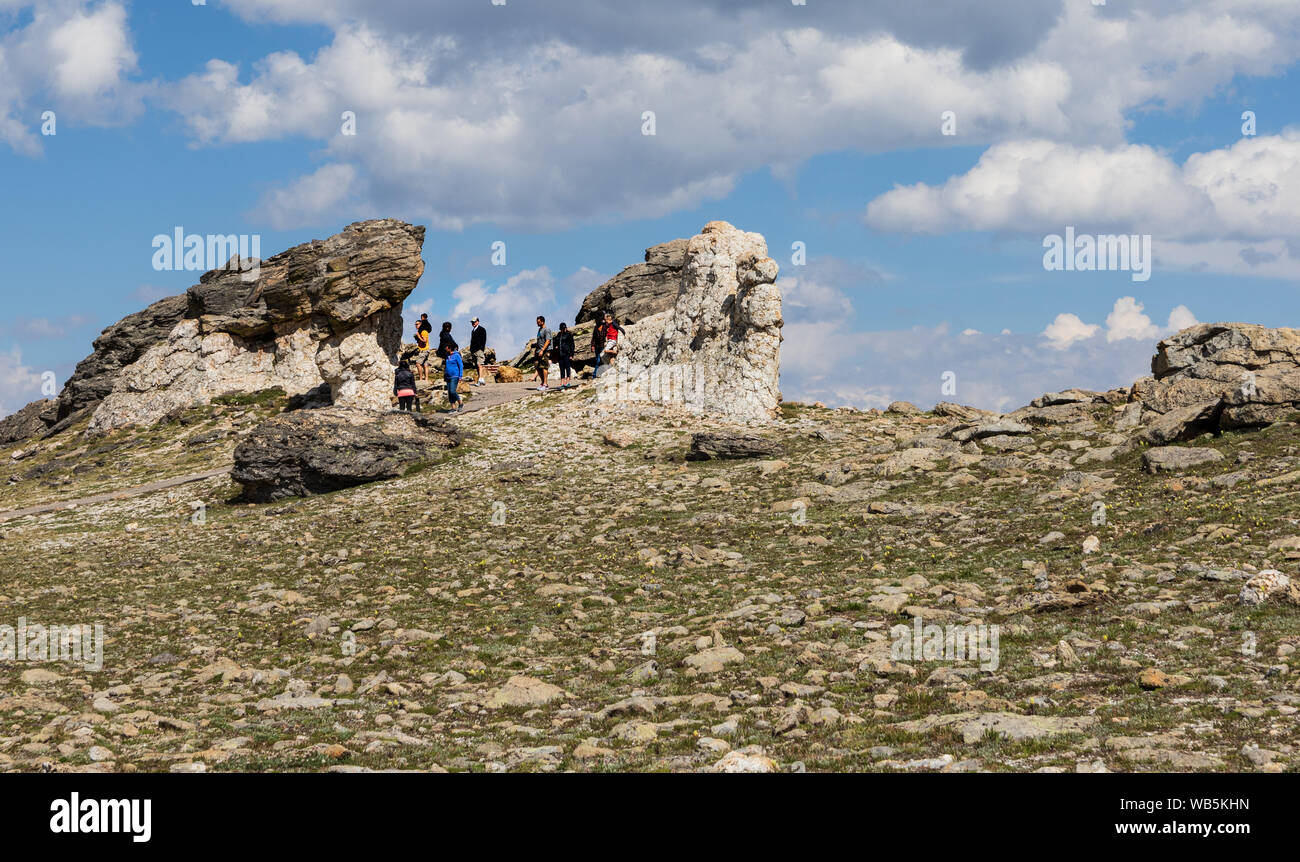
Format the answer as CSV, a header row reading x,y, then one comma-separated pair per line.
x,y
640,290
1214,376
115,349
327,312
318,451
717,350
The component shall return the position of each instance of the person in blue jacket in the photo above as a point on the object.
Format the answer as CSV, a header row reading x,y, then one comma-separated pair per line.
x,y
453,370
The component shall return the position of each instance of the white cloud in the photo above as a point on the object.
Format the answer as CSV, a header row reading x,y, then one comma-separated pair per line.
x,y
1181,317
1066,329
1248,190
519,118
73,57
1126,321
91,52
19,384
306,199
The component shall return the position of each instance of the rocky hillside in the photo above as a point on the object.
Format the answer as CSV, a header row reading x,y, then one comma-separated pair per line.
x,y
594,587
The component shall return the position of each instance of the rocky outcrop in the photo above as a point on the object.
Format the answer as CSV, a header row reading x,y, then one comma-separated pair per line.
x,y
327,312
95,376
717,350
31,421
116,348
640,290
1214,376
318,451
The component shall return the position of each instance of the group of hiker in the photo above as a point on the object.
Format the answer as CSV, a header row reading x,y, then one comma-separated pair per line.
x,y
548,346
453,370
559,346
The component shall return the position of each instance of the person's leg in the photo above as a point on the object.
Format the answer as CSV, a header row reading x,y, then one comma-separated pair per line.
x,y
595,369
543,366
452,395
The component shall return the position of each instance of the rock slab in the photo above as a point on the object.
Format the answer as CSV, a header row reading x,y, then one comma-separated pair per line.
x,y
318,451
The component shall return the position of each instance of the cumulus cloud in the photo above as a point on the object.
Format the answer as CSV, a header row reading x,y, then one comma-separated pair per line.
x,y
1066,329
308,198
70,56
19,384
507,310
550,134
1231,210
1126,321
1250,190
697,30
530,116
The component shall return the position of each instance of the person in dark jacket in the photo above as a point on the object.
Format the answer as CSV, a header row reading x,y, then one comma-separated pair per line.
x,y
478,350
597,345
564,350
446,344
404,386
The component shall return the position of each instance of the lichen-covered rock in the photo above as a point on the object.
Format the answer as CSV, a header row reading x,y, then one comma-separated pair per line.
x,y
1168,459
325,312
318,451
1269,585
718,349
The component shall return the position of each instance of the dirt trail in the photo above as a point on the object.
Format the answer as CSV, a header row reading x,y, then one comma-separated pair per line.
x,y
495,394
138,491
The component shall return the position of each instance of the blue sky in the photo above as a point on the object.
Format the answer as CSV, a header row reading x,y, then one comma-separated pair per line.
x,y
818,124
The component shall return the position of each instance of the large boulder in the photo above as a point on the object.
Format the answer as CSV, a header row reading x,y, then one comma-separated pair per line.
x,y
717,350
326,313
640,290
1229,375
318,451
1170,459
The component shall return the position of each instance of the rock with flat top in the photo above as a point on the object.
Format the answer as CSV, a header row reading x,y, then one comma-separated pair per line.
x,y
307,452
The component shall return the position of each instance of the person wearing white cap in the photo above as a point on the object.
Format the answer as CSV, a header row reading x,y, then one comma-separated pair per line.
x,y
478,350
